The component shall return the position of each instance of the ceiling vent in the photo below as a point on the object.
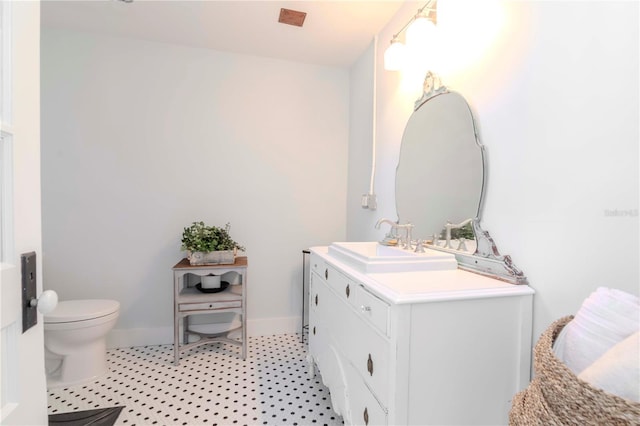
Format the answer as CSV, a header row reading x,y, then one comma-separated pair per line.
x,y
292,17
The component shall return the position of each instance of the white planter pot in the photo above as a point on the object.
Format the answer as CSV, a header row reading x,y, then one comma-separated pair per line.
x,y
224,257
210,281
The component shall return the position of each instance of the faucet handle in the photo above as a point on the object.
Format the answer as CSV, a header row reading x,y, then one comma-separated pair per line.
x,y
408,227
419,246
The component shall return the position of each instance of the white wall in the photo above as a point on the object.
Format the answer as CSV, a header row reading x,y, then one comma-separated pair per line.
x,y
556,100
139,139
360,145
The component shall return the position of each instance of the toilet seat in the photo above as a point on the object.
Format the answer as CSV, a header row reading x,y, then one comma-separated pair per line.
x,y
70,311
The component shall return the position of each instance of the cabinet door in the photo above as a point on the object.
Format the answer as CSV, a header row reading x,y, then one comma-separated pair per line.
x,y
315,330
321,302
323,346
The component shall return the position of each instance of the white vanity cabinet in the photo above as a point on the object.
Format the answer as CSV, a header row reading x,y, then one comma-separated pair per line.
x,y
438,347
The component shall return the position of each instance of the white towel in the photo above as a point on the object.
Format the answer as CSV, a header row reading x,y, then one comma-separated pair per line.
x,y
606,317
618,370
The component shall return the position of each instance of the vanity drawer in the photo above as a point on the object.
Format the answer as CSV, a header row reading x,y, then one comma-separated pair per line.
x,y
369,354
369,306
366,350
350,292
210,306
364,407
373,309
317,265
317,288
341,284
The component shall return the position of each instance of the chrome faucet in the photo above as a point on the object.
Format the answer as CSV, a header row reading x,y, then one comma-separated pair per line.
x,y
390,239
389,221
394,226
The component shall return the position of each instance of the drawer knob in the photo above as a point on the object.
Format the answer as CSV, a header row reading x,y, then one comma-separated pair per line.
x,y
347,290
326,274
316,300
365,308
370,365
365,415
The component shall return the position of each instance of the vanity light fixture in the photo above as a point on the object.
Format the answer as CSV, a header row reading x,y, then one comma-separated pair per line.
x,y
394,55
419,31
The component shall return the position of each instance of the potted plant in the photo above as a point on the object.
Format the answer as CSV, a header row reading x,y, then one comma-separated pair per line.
x,y
209,245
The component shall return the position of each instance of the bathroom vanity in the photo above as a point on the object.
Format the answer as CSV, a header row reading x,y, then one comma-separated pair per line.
x,y
429,328
404,341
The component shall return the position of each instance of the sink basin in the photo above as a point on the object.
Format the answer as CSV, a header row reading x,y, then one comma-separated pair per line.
x,y
374,257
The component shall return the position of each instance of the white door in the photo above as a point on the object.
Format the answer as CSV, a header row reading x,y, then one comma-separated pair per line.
x,y
23,396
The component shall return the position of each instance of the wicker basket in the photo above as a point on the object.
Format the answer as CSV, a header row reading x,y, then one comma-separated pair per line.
x,y
557,397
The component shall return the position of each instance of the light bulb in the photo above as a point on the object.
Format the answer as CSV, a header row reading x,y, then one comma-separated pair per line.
x,y
422,44
394,56
420,33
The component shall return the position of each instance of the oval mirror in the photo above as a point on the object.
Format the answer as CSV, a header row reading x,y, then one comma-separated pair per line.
x,y
440,172
440,182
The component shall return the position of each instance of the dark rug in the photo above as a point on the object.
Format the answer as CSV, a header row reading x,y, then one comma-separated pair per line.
x,y
98,417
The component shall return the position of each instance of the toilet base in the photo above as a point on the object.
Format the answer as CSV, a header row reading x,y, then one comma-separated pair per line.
x,y
86,365
75,341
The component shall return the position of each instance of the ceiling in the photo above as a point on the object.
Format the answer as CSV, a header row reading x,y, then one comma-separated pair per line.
x,y
335,33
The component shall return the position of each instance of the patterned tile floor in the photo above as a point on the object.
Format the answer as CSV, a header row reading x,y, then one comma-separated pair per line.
x,y
211,386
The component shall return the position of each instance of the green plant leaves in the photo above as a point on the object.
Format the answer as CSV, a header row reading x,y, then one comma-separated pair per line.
x,y
200,237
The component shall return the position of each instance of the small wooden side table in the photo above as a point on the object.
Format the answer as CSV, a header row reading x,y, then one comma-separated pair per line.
x,y
188,300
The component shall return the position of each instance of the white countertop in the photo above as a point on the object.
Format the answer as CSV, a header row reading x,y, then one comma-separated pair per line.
x,y
427,286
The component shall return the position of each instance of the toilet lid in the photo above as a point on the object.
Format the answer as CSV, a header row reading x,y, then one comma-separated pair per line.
x,y
80,310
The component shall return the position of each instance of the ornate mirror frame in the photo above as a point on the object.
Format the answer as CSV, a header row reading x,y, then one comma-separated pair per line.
x,y
486,259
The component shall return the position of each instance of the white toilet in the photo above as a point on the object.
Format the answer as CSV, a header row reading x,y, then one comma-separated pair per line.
x,y
75,334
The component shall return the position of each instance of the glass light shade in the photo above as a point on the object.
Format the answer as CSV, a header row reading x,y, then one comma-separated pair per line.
x,y
420,33
394,56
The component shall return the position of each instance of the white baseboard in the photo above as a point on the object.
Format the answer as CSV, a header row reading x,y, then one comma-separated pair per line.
x,y
126,338
271,326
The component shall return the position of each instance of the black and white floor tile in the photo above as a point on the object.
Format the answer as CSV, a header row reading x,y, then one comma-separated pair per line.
x,y
211,386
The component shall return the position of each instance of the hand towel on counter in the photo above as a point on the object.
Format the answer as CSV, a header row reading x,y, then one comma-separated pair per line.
x,y
607,317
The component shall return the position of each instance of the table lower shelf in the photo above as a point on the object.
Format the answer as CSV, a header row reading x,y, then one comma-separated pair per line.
x,y
208,338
